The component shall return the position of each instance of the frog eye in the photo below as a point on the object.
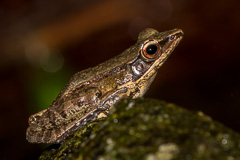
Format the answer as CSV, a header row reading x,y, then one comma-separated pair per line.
x,y
150,50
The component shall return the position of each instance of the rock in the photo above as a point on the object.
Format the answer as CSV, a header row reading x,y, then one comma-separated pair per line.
x,y
152,130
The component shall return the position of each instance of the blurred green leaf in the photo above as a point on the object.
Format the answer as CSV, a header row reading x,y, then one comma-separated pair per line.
x,y
45,86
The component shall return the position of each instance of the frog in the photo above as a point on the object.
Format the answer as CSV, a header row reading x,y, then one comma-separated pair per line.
x,y
90,94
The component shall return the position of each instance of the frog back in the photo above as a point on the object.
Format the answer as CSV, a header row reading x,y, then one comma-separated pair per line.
x,y
86,75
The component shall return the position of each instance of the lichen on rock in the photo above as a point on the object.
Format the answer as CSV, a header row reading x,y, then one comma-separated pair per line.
x,y
152,130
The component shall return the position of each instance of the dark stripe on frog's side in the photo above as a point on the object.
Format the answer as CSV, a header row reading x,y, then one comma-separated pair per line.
x,y
56,117
55,114
88,74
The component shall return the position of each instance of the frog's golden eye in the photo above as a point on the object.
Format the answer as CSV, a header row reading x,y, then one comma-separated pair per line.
x,y
150,50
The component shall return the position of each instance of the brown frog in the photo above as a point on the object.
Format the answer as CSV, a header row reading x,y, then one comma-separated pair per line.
x,y
92,92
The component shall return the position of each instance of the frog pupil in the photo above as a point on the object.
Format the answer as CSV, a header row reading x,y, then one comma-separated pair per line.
x,y
151,49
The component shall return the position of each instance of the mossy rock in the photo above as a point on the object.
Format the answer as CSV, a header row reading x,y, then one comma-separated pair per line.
x,y
152,130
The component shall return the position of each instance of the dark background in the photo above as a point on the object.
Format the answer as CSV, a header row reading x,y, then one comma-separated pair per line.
x,y
44,42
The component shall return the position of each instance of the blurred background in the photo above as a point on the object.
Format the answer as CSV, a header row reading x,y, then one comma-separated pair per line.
x,y
44,42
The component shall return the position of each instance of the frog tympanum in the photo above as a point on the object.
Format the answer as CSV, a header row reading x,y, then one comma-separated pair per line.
x,y
91,93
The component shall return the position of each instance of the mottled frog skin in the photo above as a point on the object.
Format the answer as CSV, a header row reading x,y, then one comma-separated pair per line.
x,y
91,93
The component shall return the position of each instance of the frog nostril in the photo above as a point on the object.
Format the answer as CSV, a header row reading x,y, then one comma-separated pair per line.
x,y
172,37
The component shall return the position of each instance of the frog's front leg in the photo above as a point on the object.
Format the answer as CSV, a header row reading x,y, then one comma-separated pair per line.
x,y
109,99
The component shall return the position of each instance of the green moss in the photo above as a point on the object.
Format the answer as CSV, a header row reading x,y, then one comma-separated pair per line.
x,y
153,130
